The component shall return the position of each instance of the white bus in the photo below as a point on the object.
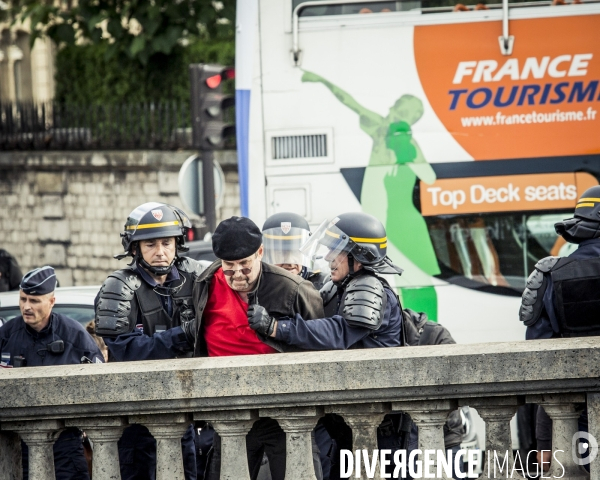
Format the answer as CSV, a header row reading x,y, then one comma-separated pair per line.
x,y
467,130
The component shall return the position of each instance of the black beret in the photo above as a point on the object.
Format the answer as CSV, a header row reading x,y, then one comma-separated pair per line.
x,y
236,238
40,281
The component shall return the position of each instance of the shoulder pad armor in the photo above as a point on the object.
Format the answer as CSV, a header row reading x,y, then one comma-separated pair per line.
x,y
114,303
189,265
328,292
364,302
546,264
532,298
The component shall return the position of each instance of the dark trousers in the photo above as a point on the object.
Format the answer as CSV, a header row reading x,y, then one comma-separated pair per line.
x,y
137,454
69,459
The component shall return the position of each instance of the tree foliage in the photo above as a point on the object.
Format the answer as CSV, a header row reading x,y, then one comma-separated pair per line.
x,y
85,75
138,30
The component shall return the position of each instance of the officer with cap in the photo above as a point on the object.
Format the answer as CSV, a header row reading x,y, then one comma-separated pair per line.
x,y
283,235
141,311
41,337
222,297
562,298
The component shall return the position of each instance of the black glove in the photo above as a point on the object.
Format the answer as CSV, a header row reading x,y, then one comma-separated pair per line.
x,y
260,320
189,326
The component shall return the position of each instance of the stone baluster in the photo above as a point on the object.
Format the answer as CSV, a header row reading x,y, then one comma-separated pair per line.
x,y
167,429
10,456
497,413
232,426
429,416
298,424
564,410
593,409
363,419
104,432
39,435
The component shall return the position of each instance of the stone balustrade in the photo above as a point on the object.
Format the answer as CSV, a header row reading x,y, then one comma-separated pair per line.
x,y
296,389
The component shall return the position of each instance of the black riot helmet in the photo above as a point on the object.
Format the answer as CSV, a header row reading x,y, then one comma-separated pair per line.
x,y
360,235
585,223
154,220
588,206
283,235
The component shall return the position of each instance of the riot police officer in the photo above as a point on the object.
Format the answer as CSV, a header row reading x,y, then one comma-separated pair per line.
x,y
552,305
283,235
354,244
142,311
368,313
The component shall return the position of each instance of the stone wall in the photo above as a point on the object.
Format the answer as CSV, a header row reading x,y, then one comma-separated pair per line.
x,y
66,209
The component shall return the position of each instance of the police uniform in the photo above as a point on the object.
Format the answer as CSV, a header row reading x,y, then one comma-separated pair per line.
x,y
283,235
562,296
141,319
62,341
366,313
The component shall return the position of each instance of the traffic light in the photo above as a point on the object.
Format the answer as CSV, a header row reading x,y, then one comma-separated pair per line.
x,y
213,125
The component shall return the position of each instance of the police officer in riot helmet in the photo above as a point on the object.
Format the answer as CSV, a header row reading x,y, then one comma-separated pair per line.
x,y
562,298
354,244
153,294
367,313
142,313
552,303
283,235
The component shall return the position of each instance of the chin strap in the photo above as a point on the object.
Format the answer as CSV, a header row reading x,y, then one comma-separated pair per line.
x,y
305,273
351,272
160,271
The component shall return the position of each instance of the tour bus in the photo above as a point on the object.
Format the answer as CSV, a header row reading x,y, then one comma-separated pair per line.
x,y
468,130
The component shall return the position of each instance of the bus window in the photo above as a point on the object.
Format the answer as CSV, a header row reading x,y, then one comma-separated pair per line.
x,y
426,6
357,8
494,252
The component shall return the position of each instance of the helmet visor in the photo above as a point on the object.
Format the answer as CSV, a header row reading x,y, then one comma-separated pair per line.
x,y
328,242
284,248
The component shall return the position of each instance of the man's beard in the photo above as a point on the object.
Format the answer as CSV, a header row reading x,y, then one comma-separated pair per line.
x,y
246,285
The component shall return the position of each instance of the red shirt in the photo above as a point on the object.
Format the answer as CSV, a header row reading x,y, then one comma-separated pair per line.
x,y
226,328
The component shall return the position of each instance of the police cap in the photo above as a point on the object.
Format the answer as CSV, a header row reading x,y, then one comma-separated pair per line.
x,y
40,281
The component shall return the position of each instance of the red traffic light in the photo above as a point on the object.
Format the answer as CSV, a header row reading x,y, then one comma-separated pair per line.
x,y
214,81
228,73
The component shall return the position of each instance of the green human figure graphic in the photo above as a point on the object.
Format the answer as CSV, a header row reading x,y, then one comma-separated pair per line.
x,y
396,161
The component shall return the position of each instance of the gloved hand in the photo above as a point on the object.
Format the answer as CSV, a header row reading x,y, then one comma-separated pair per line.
x,y
260,320
189,326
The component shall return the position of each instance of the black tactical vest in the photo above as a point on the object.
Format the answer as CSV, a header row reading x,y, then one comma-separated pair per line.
x,y
154,316
577,293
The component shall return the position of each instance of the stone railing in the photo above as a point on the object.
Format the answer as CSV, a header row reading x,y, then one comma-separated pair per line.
x,y
296,389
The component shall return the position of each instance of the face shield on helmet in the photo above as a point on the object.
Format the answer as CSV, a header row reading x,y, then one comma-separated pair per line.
x,y
328,243
282,246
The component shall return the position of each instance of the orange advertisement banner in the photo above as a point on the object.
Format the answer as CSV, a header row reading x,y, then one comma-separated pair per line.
x,y
542,100
550,191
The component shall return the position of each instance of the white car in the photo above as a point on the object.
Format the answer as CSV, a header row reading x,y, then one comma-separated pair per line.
x,y
74,302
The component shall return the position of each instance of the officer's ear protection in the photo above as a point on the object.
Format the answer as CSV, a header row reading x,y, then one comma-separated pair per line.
x,y
365,252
